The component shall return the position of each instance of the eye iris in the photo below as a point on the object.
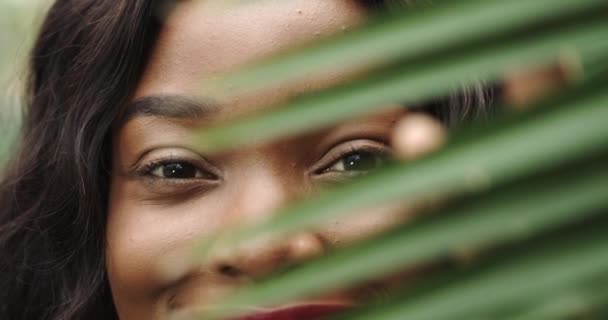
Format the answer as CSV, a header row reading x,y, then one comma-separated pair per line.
x,y
362,161
179,171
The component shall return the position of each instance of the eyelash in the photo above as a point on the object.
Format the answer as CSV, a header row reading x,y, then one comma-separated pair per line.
x,y
380,149
147,170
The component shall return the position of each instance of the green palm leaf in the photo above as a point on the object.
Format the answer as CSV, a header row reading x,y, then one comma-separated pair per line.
x,y
499,162
505,214
406,36
497,154
575,302
541,270
412,83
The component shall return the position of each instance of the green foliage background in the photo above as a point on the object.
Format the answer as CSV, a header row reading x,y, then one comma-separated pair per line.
x,y
18,22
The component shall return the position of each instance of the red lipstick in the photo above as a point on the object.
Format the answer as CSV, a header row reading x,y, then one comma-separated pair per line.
x,y
299,312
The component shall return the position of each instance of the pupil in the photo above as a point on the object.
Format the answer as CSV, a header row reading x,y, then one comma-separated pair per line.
x,y
179,171
363,161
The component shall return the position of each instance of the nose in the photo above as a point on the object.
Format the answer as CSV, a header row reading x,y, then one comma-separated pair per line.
x,y
259,259
261,191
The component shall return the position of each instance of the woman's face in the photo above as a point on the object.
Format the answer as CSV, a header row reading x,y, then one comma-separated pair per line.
x,y
165,194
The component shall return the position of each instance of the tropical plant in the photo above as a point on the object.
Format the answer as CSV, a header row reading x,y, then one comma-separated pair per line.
x,y
525,193
521,228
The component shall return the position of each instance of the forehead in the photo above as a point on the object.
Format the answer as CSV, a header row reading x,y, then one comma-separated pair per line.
x,y
203,38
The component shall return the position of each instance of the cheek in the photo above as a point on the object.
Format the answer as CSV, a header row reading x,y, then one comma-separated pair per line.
x,y
140,236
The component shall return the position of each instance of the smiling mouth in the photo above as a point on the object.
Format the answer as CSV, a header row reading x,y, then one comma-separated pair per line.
x,y
317,311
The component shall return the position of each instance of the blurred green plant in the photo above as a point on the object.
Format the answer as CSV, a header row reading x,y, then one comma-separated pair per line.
x,y
529,190
18,22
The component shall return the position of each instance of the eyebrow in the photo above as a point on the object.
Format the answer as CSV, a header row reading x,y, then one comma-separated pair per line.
x,y
177,107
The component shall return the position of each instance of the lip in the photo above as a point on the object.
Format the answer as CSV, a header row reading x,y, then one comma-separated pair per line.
x,y
314,311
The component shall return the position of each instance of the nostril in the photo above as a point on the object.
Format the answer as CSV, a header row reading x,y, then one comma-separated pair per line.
x,y
228,270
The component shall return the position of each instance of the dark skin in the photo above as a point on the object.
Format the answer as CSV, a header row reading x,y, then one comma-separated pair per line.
x,y
85,67
63,212
165,194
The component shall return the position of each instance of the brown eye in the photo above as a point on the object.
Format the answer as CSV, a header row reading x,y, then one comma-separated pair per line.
x,y
360,161
177,170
